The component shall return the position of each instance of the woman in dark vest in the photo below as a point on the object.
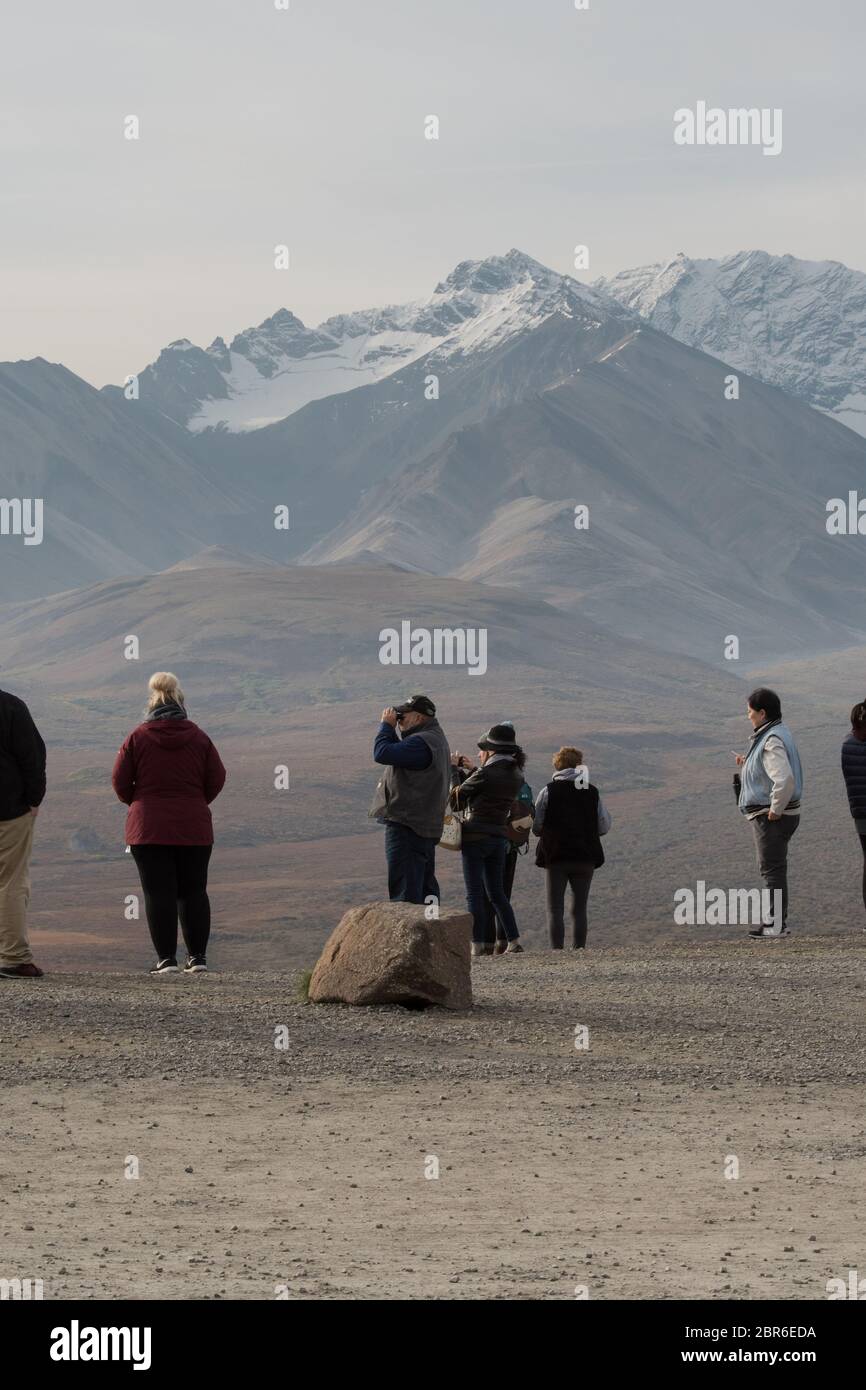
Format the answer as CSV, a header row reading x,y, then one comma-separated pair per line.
x,y
486,794
854,772
570,819
168,772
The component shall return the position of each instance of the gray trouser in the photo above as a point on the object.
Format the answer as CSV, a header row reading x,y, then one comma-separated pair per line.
x,y
578,877
771,844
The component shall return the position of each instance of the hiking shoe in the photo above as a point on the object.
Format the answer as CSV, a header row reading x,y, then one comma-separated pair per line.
x,y
502,946
479,949
165,967
21,972
768,933
196,965
514,948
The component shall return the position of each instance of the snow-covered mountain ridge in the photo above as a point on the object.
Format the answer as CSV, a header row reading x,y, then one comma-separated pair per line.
x,y
796,324
268,372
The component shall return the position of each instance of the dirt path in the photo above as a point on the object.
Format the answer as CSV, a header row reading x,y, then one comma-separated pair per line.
x,y
558,1167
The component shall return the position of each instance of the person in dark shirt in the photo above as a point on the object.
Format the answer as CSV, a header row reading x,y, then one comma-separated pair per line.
x,y
854,772
486,795
518,838
570,819
22,791
411,796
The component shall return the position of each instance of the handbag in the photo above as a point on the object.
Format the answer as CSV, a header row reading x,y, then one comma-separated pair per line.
x,y
452,830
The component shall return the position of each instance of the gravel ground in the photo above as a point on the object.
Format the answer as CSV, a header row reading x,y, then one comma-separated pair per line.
x,y
707,1141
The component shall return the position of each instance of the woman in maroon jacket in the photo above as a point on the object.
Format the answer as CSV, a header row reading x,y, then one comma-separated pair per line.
x,y
168,772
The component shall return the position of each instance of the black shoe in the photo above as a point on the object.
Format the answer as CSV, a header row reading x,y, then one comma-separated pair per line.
x,y
514,948
30,971
196,965
165,967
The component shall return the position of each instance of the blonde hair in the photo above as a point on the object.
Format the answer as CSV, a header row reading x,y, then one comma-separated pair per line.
x,y
163,688
567,757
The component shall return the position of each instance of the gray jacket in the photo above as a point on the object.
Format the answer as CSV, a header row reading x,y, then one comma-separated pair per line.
x,y
417,798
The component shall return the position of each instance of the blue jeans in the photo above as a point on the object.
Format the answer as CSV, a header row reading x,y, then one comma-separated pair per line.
x,y
411,865
484,876
493,929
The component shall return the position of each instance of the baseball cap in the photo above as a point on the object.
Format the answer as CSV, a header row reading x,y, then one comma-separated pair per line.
x,y
417,704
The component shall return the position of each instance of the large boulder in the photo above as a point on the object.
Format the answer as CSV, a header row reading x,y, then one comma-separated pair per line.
x,y
388,953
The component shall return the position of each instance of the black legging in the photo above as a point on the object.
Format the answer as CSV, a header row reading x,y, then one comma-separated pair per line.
x,y
863,847
578,877
174,881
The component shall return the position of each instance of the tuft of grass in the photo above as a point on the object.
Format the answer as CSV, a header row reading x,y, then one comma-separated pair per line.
x,y
89,776
302,986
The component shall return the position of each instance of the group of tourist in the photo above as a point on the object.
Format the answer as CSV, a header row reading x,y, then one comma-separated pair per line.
x,y
168,772
492,812
424,784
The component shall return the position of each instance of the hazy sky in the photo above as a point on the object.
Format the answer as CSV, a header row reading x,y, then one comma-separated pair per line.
x,y
306,127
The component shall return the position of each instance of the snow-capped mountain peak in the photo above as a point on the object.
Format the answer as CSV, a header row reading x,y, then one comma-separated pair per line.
x,y
270,371
495,274
483,302
797,324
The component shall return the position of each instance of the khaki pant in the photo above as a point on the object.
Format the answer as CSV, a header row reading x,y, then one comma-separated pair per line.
x,y
16,842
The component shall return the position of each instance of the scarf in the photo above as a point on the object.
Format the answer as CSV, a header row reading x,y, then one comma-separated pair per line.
x,y
169,710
